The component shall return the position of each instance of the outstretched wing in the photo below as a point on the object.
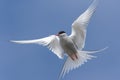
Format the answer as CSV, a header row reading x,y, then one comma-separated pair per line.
x,y
78,34
52,42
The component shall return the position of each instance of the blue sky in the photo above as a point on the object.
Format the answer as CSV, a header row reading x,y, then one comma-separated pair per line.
x,y
32,19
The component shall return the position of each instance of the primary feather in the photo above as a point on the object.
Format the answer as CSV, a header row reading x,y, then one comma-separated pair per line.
x,y
52,42
78,33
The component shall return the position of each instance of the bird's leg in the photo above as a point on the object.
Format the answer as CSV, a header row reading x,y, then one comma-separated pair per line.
x,y
73,56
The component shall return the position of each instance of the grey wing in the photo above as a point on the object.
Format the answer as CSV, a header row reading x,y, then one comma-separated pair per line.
x,y
52,42
78,33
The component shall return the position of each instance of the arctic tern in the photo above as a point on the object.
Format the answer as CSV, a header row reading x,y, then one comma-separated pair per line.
x,y
71,45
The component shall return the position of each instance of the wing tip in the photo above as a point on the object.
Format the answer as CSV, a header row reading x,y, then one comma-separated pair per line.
x,y
14,41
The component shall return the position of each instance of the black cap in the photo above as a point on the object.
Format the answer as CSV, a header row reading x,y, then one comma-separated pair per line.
x,y
61,32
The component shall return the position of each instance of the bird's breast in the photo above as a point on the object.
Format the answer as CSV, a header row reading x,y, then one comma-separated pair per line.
x,y
68,46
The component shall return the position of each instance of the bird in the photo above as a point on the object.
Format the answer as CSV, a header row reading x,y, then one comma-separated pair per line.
x,y
71,45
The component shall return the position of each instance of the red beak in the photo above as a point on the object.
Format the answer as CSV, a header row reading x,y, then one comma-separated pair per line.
x,y
57,34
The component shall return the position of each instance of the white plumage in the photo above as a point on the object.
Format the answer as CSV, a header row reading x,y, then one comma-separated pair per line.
x,y
52,42
72,45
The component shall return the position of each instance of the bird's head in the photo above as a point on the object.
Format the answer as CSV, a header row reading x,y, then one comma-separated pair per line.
x,y
61,34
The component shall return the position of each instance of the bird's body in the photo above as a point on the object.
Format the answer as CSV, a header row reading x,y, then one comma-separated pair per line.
x,y
72,45
68,46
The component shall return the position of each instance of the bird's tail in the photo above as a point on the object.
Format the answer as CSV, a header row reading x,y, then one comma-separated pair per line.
x,y
70,64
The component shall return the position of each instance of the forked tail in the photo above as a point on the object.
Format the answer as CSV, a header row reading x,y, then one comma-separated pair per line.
x,y
83,56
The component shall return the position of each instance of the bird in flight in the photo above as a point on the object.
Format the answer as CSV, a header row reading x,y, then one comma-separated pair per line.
x,y
72,44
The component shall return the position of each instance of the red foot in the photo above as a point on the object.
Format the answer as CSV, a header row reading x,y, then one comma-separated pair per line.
x,y
74,57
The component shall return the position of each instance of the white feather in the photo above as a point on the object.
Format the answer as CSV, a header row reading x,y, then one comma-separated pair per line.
x,y
52,42
83,56
78,33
